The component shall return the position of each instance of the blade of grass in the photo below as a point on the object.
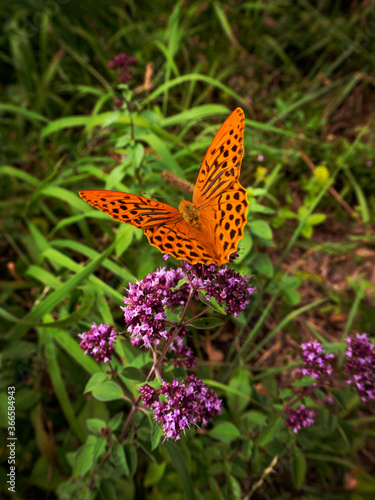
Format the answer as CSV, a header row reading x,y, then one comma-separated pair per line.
x,y
30,115
90,253
196,78
46,337
59,259
51,301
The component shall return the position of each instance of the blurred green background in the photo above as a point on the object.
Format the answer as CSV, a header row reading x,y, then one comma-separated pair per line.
x,y
304,74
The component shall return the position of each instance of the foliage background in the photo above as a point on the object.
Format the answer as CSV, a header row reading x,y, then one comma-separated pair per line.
x,y
304,74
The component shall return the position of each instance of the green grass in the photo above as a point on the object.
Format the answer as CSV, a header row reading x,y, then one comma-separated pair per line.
x,y
304,77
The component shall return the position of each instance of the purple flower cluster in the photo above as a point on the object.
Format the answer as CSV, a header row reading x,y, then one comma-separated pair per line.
x,y
99,341
147,300
360,365
122,63
145,305
299,417
184,356
228,287
185,404
315,362
118,103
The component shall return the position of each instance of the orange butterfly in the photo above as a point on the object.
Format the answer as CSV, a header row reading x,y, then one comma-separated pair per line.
x,y
205,231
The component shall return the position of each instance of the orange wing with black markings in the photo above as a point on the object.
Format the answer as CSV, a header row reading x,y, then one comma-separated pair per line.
x,y
205,231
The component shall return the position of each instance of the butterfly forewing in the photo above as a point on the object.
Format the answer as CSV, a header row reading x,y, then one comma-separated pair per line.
x,y
131,208
221,166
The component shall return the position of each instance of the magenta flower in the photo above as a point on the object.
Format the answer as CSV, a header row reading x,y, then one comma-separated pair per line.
x,y
183,355
148,299
145,305
118,103
228,287
99,341
296,418
360,365
122,62
315,362
184,405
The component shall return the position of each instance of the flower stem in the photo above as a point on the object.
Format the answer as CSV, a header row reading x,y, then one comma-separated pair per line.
x,y
157,361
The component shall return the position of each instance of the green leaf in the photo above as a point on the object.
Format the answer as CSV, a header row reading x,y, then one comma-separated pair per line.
x,y
316,219
109,391
270,430
154,473
261,229
285,393
193,77
27,399
286,213
132,373
225,432
131,458
95,425
116,421
124,238
261,209
212,302
299,467
247,448
178,462
107,490
100,446
235,488
254,418
181,282
139,153
156,434
241,383
206,323
289,282
304,382
263,264
216,468
84,458
95,381
119,458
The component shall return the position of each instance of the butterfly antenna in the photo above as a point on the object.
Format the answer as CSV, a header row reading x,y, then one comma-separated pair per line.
x,y
189,189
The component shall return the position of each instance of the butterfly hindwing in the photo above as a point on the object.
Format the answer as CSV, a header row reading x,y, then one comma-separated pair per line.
x,y
228,212
182,241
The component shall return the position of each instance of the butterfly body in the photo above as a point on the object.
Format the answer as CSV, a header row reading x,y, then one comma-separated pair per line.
x,y
206,230
190,214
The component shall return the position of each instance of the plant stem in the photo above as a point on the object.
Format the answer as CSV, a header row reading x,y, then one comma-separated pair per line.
x,y
157,362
